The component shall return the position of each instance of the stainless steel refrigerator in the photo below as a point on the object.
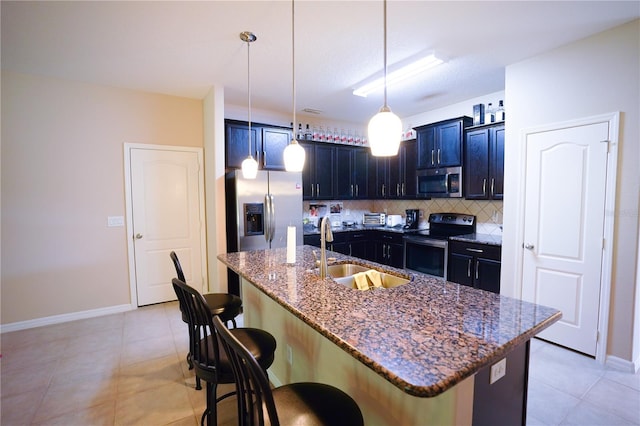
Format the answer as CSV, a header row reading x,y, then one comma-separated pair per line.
x,y
260,210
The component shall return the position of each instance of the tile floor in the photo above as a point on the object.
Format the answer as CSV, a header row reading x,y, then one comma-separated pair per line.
x,y
129,369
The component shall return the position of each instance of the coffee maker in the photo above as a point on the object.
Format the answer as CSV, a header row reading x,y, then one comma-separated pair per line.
x,y
412,219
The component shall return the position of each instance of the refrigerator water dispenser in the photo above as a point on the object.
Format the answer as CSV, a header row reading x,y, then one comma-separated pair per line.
x,y
253,219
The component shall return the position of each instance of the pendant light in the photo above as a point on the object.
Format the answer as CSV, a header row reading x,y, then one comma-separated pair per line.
x,y
294,154
385,128
249,165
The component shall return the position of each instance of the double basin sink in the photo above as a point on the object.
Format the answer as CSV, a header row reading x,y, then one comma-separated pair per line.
x,y
343,273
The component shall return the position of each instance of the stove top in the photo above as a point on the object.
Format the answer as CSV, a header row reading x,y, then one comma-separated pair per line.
x,y
444,225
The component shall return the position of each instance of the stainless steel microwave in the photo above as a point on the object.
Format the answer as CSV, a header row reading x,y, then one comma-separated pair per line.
x,y
444,182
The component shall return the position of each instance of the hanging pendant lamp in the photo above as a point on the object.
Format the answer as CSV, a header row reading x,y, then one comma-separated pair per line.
x,y
385,128
294,154
249,165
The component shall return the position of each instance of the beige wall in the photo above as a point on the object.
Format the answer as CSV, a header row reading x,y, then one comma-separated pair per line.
x,y
597,75
62,175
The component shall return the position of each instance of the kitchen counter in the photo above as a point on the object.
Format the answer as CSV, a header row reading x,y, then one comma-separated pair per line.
x,y
492,240
312,230
423,337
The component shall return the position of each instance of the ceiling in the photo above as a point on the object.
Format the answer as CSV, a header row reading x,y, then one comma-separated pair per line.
x,y
183,48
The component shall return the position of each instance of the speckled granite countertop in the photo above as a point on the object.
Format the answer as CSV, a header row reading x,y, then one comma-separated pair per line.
x,y
424,337
312,230
492,240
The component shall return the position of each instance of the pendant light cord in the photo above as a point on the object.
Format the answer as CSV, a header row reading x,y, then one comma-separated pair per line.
x,y
293,67
385,54
249,91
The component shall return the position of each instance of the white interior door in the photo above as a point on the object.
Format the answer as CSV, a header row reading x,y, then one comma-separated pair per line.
x,y
166,208
565,190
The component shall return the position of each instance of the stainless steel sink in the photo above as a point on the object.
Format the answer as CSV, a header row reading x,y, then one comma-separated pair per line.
x,y
343,273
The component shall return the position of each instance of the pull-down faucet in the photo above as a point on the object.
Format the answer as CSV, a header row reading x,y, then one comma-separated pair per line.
x,y
325,235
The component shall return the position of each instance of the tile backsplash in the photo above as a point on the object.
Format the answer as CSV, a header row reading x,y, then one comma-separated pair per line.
x,y
488,213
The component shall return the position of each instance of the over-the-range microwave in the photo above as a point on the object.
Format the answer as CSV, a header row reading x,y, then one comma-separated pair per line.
x,y
444,182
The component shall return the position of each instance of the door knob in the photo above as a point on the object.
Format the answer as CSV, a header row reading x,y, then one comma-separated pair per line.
x,y
138,236
528,246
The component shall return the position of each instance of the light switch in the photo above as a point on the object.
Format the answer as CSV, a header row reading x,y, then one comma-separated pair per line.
x,y
498,370
115,221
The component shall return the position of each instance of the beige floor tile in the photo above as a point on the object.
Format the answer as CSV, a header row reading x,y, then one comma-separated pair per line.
x,y
35,356
95,341
68,396
20,409
187,421
149,374
616,398
548,404
104,363
588,414
98,415
624,378
144,350
159,406
17,381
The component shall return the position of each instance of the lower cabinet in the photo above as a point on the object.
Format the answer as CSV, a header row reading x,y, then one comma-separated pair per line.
x,y
389,249
475,265
353,243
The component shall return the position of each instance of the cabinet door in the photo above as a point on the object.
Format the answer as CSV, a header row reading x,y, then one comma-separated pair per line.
x,y
460,269
409,185
237,143
312,240
395,255
308,176
274,141
449,144
380,181
361,173
476,170
496,169
324,171
395,177
426,148
345,188
487,274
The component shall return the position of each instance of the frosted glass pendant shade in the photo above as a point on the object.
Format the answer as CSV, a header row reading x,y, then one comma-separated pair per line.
x,y
249,168
385,131
294,157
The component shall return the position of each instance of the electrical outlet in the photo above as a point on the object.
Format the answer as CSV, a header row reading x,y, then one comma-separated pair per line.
x,y
115,221
289,355
498,370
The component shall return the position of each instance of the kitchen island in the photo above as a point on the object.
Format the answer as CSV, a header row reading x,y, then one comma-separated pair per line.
x,y
408,355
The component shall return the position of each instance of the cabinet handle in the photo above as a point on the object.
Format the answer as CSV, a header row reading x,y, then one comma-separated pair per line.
x,y
493,181
383,189
484,186
397,189
432,159
438,155
477,267
317,189
469,268
357,192
403,189
312,191
352,190
475,250
350,250
388,251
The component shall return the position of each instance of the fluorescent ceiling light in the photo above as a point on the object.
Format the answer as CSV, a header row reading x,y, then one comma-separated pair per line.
x,y
403,73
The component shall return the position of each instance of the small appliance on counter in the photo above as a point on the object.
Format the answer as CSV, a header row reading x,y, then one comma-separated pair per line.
x,y
374,219
412,219
394,220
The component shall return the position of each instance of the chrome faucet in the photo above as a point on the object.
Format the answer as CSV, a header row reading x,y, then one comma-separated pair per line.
x,y
325,235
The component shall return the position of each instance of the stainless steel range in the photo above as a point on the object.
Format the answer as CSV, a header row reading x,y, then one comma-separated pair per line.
x,y
427,251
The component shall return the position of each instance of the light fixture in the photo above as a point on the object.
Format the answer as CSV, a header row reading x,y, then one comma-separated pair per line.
x,y
249,165
293,154
407,71
385,128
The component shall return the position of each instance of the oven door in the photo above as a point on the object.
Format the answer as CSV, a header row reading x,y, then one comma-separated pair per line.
x,y
426,255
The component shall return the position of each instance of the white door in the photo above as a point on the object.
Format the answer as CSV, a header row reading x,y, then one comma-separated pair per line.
x,y
565,190
166,208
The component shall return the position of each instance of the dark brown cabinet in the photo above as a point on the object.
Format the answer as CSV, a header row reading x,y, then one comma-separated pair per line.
x,y
267,144
484,162
353,243
440,144
475,265
352,171
394,177
318,175
389,249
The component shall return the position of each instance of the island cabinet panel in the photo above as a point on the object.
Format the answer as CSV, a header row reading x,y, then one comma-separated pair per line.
x,y
440,144
475,265
318,175
267,144
351,165
484,163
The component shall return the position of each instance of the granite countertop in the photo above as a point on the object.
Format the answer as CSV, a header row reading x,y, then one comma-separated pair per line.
x,y
492,240
312,230
424,337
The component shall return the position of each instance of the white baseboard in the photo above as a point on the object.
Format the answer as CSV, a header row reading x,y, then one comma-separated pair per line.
x,y
274,380
622,364
57,319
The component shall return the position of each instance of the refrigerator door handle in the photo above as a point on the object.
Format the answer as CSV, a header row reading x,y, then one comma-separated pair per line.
x,y
272,218
267,219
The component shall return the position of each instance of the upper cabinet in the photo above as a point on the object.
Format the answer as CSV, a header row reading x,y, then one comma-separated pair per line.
x,y
267,144
352,171
440,144
394,177
318,175
484,162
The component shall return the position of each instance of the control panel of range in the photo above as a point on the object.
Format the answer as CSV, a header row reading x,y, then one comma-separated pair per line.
x,y
452,219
